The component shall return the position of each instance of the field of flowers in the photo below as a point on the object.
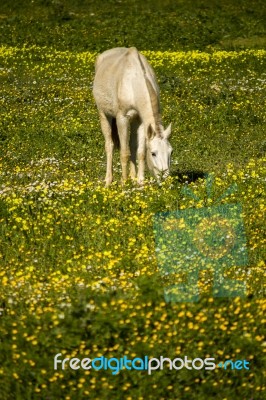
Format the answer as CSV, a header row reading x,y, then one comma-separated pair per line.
x,y
78,267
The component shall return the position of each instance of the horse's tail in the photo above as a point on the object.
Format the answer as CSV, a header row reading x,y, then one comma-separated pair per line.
x,y
115,136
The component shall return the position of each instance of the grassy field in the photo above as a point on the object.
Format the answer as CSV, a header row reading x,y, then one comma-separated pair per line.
x,y
78,267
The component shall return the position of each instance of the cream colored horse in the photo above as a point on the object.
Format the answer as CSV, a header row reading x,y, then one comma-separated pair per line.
x,y
127,97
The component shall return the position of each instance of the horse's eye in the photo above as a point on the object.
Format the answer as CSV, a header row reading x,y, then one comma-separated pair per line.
x,y
153,154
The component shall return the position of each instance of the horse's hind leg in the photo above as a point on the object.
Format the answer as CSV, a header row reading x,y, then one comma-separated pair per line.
x,y
122,123
106,125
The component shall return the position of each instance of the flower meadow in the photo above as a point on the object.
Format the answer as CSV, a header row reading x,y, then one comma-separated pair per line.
x,y
78,267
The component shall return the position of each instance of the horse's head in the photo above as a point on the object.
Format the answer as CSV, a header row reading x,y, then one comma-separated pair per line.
x,y
159,152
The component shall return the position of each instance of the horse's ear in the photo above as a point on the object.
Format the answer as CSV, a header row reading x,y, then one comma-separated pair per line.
x,y
150,132
167,132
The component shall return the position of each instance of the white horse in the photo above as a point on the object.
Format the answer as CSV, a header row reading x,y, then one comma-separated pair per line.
x,y
127,97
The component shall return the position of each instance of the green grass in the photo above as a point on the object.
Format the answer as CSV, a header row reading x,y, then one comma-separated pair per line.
x,y
78,266
169,25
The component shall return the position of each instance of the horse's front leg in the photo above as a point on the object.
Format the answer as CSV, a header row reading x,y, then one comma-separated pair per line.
x,y
141,154
133,143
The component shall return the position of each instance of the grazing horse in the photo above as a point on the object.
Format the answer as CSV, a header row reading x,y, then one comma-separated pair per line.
x,y
127,97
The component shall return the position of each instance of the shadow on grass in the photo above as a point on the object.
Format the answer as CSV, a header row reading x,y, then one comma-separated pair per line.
x,y
189,176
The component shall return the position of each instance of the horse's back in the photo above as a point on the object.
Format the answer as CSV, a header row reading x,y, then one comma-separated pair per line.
x,y
117,77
